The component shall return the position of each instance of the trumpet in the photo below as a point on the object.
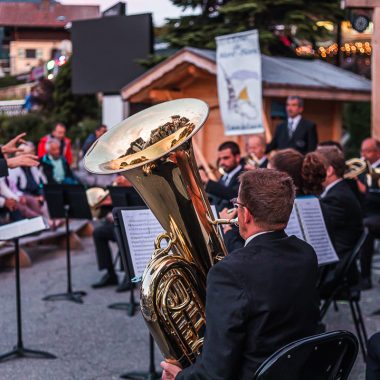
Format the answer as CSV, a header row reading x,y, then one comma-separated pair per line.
x,y
251,160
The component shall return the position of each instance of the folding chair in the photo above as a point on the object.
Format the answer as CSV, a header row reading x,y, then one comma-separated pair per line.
x,y
342,290
327,356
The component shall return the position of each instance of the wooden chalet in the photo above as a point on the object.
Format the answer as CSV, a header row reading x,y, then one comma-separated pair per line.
x,y
192,73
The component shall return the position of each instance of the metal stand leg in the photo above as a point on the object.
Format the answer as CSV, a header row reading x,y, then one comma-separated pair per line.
x,y
69,295
151,374
19,351
130,306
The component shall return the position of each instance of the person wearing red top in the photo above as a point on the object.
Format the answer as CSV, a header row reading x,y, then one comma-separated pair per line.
x,y
58,133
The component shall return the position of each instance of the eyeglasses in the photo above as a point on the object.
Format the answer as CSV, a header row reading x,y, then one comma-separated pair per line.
x,y
236,203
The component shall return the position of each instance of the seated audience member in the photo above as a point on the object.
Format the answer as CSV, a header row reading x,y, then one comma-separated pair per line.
x,y
370,151
102,235
343,209
58,134
55,167
267,288
99,131
256,157
29,180
373,358
28,206
13,162
9,211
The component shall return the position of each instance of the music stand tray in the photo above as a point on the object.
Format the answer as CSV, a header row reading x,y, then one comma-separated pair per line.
x,y
14,231
67,201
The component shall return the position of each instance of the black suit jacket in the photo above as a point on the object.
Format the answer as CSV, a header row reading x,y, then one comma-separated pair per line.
x,y
221,194
259,298
304,138
345,217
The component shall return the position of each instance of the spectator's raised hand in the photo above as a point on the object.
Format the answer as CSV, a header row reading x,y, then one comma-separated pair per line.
x,y
12,145
23,160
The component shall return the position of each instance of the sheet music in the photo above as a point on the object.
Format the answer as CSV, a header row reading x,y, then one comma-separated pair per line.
x,y
314,228
22,228
294,226
142,228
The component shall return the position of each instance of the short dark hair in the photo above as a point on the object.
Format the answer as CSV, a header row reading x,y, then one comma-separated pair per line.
x,y
298,98
235,150
99,127
331,143
334,158
268,194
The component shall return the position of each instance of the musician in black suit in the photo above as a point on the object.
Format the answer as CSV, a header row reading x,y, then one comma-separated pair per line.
x,y
297,132
262,296
256,157
228,185
345,219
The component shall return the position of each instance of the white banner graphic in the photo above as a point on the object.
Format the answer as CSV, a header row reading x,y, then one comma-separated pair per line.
x,y
239,83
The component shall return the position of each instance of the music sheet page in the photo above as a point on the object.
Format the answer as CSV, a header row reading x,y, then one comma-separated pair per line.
x,y
314,228
22,228
141,228
294,226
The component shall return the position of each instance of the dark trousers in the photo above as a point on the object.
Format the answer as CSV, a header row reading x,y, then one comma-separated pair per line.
x,y
373,358
102,235
366,254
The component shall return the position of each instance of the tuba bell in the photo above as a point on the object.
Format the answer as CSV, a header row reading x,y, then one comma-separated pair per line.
x,y
153,150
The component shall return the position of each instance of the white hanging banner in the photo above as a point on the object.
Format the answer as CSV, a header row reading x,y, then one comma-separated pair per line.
x,y
239,82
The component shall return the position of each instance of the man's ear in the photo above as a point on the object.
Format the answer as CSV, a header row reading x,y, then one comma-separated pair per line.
x,y
247,216
330,171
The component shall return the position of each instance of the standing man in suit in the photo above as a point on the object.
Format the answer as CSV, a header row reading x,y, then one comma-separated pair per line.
x,y
297,132
342,208
255,148
228,185
262,296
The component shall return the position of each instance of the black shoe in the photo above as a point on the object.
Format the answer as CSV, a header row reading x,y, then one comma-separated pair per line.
x,y
107,280
125,285
365,283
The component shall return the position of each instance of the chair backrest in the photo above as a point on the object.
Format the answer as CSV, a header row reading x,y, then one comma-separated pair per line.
x,y
325,356
351,259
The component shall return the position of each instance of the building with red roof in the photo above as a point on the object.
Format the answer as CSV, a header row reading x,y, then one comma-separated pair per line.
x,y
32,32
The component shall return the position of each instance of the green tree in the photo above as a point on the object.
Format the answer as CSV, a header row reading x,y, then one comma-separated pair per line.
x,y
219,17
70,108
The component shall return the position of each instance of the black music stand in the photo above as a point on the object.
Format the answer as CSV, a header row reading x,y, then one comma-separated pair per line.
x,y
19,351
123,196
67,201
132,305
122,241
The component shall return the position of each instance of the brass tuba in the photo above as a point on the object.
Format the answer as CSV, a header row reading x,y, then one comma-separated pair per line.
x,y
165,175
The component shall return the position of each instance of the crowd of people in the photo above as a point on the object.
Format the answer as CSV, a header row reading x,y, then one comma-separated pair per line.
x,y
270,282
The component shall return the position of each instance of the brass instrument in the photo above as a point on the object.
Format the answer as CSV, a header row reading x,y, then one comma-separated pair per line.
x,y
165,175
355,167
95,197
252,160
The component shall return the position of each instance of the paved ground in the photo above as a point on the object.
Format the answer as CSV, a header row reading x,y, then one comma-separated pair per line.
x,y
90,340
